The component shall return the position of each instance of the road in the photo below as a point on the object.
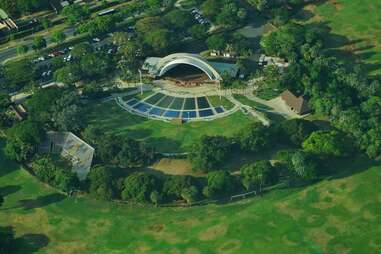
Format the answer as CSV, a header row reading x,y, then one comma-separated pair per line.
x,y
12,52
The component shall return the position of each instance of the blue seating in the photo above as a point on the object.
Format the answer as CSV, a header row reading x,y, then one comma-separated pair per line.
x,y
142,107
188,114
156,111
172,114
132,102
206,113
219,110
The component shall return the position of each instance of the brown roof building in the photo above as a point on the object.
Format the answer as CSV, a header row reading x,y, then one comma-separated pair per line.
x,y
297,104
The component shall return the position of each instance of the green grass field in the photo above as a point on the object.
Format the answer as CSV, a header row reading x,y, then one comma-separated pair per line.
x,y
334,216
355,26
165,137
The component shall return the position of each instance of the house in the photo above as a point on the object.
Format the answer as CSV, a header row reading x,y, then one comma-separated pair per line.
x,y
297,104
71,147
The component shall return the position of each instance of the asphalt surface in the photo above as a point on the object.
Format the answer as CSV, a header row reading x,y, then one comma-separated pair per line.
x,y
12,52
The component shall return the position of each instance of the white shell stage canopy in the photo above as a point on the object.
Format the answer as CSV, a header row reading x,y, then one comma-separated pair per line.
x,y
157,66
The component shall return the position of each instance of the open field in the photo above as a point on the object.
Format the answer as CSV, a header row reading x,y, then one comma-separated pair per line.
x,y
341,215
165,137
355,29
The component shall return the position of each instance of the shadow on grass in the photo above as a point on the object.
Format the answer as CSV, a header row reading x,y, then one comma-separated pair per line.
x,y
25,244
350,52
9,189
41,201
31,243
348,167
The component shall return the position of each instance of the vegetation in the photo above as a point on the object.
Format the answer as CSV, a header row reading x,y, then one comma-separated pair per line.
x,y
207,227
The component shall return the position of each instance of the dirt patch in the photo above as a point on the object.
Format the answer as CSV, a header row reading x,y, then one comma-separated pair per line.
x,y
336,3
156,228
368,215
72,247
229,246
192,251
190,222
174,167
213,232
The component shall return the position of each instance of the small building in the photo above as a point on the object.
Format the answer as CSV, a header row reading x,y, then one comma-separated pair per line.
x,y
6,22
71,147
297,104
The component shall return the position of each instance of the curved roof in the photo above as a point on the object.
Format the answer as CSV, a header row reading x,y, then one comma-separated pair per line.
x,y
167,63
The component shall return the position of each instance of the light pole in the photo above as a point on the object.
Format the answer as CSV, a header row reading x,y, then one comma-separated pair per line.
x,y
141,82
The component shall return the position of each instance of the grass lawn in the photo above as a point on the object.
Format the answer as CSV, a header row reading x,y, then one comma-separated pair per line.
x,y
355,26
266,94
341,215
217,101
164,136
243,99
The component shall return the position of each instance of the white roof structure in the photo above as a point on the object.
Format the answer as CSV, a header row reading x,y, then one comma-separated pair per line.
x,y
159,66
71,147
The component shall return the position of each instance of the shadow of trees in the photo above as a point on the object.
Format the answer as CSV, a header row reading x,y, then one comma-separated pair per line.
x,y
358,51
25,244
41,201
9,189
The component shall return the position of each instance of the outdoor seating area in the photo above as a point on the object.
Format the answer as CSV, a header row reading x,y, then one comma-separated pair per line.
x,y
167,107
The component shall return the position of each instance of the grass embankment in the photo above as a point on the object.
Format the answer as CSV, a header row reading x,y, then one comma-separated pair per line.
x,y
256,105
164,136
216,101
355,30
341,215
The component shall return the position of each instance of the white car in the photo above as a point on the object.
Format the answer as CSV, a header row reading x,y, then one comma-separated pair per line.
x,y
96,40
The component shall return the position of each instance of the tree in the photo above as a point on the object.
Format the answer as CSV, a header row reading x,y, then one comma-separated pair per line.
x,y
101,183
296,131
43,167
255,138
327,143
41,103
94,66
133,153
219,183
209,153
160,40
23,139
22,49
76,13
68,118
66,180
174,186
138,187
304,166
190,194
68,74
58,36
155,197
177,19
148,24
259,174
18,74
98,26
198,31
39,43
216,42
